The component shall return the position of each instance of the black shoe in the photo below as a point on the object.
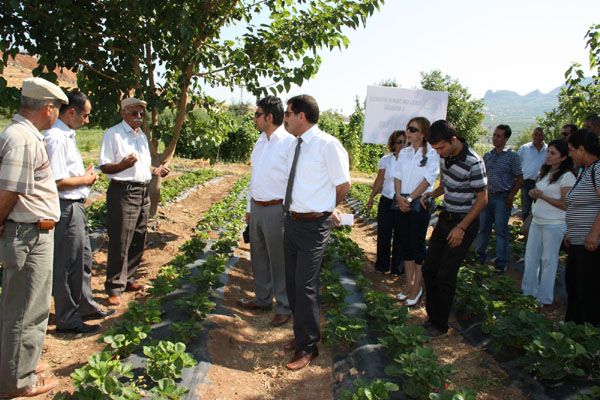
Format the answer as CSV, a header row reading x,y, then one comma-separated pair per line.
x,y
84,328
433,331
99,314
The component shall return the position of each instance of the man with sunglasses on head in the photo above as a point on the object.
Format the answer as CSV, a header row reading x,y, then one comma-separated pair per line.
x,y
71,282
125,159
264,211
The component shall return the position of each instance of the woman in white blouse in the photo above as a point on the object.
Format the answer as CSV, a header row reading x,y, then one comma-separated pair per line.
x,y
416,172
384,184
548,224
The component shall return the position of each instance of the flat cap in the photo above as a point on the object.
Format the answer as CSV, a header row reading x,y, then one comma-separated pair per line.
x,y
132,101
41,89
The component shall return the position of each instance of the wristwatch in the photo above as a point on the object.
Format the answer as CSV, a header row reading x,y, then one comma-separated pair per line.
x,y
409,199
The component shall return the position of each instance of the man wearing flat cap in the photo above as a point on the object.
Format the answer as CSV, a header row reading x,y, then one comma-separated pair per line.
x,y
29,210
125,159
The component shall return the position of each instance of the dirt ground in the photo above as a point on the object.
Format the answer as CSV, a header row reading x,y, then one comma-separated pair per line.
x,y
173,226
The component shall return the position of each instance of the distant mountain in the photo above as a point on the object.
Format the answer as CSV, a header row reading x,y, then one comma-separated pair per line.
x,y
520,112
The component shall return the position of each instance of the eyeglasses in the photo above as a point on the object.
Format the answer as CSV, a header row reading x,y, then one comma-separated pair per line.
x,y
136,113
258,114
412,129
288,113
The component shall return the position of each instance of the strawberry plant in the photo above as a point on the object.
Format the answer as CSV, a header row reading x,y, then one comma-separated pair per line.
x,y
400,339
125,337
166,389
101,378
373,390
342,329
184,331
166,360
553,356
461,394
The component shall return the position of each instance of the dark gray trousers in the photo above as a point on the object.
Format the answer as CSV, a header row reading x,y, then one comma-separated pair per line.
x,y
304,246
26,258
266,252
71,278
127,206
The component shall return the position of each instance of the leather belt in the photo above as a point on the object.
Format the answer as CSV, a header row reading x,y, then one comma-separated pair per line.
x,y
42,225
74,200
310,216
501,193
268,203
130,183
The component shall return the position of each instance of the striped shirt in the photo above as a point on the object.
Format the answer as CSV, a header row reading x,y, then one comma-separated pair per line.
x,y
462,177
583,205
25,169
502,170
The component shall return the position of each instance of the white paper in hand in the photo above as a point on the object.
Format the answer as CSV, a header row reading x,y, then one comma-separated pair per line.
x,y
346,219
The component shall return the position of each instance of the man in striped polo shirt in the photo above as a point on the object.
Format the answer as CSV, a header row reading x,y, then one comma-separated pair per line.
x,y
463,185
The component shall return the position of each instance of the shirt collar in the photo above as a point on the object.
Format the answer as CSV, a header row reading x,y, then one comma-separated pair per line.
x,y
277,134
22,120
306,136
462,156
59,124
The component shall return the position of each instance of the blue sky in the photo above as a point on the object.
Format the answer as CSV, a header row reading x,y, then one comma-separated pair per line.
x,y
510,45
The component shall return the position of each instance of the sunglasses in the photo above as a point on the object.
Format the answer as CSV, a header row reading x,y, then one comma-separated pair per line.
x,y
136,113
412,129
423,161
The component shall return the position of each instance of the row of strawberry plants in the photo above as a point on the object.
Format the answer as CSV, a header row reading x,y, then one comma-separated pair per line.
x,y
550,351
415,364
169,191
362,193
106,376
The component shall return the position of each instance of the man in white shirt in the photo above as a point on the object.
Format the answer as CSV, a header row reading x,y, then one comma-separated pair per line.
x,y
125,159
533,156
72,271
264,211
319,179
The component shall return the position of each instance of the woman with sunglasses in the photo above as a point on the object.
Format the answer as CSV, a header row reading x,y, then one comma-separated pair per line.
x,y
384,184
416,171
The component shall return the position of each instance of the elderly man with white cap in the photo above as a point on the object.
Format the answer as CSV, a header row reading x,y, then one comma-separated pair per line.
x,y
125,159
29,210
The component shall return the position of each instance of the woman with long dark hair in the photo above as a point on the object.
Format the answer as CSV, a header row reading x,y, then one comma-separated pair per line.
x,y
384,184
416,171
582,276
548,224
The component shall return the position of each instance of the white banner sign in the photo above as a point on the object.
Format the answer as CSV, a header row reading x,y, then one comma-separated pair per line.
x,y
389,109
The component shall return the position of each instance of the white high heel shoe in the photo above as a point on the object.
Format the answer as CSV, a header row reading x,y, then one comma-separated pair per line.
x,y
401,296
412,302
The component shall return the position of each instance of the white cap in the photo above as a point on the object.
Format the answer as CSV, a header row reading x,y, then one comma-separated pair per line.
x,y
132,101
41,89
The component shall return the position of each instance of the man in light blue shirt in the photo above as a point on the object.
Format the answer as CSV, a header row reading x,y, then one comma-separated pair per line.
x,y
533,156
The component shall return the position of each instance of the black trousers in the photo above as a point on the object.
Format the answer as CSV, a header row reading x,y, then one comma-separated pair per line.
x,y
582,280
128,206
388,238
411,230
304,244
441,267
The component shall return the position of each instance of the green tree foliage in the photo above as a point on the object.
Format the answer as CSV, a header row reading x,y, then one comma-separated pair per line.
x,y
465,112
166,51
581,96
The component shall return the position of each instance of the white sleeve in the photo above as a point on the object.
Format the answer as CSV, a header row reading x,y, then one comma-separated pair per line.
x,y
106,151
433,167
57,154
338,164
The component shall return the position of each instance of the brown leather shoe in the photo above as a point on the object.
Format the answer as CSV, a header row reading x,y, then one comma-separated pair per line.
x,y
133,287
289,346
280,319
43,385
251,305
301,359
41,367
114,300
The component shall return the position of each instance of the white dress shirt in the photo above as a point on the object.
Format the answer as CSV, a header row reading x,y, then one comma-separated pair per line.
x,y
388,164
269,166
532,159
120,141
65,159
322,165
409,170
